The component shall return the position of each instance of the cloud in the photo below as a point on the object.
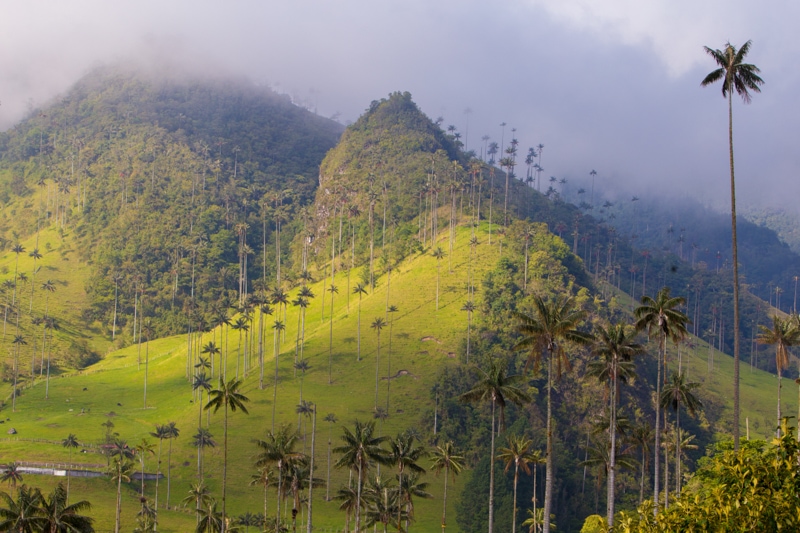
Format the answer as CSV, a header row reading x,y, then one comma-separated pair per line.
x,y
610,85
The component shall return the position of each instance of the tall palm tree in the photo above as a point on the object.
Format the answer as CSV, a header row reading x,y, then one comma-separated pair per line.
x,y
409,488
120,472
147,329
201,383
446,457
226,396
160,433
330,418
142,449
678,392
553,325
439,254
360,289
378,324
16,249
784,334
662,319
641,435
276,329
172,432
201,440
499,389
11,474
741,77
359,450
469,307
391,311
278,450
21,514
615,349
265,477
211,349
200,496
405,455
211,520
70,443
18,341
517,453
59,516
35,255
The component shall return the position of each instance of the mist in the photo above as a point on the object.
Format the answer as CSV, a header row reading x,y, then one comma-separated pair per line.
x,y
612,87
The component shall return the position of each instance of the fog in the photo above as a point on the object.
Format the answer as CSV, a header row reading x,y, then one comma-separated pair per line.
x,y
612,86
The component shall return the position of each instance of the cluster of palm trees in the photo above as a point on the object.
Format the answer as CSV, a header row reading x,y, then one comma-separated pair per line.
x,y
34,512
557,325
13,309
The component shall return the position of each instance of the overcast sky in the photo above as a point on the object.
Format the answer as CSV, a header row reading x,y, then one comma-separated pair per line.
x,y
611,85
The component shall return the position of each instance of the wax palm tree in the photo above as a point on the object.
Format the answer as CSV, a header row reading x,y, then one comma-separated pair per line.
x,y
553,325
265,477
348,496
228,397
200,496
499,389
361,448
142,449
360,289
378,324
615,348
391,312
446,457
405,456
147,329
277,327
741,77
201,440
248,520
160,433
678,392
211,520
120,471
70,443
211,349
598,457
662,319
201,383
303,366
172,432
641,436
303,409
439,254
11,474
469,307
278,450
21,515
333,290
382,504
59,516
410,487
784,334
518,454
16,249
35,255
330,418
18,341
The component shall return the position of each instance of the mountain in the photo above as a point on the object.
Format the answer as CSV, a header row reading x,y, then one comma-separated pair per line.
x,y
148,178
262,265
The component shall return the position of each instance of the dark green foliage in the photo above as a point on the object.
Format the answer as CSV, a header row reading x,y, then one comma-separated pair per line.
x,y
152,173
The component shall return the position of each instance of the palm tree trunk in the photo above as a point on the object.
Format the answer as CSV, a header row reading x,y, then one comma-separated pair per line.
x,y
169,470
491,473
678,452
309,525
612,431
224,465
119,498
656,461
358,337
514,506
158,471
548,480
377,368
358,500
780,386
735,281
444,498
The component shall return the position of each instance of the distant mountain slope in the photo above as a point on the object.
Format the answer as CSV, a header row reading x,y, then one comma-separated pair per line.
x,y
152,176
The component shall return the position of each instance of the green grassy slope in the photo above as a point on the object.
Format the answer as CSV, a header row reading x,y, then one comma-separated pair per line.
x,y
422,341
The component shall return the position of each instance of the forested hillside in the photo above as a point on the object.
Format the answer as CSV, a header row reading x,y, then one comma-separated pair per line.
x,y
382,280
162,182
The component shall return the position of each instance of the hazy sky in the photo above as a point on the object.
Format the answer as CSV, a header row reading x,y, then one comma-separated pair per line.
x,y
611,85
